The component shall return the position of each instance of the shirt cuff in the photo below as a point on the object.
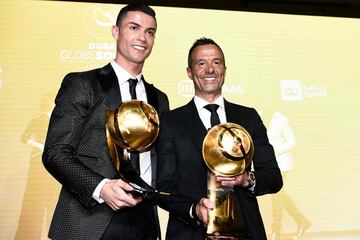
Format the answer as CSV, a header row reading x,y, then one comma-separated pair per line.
x,y
96,193
191,211
252,188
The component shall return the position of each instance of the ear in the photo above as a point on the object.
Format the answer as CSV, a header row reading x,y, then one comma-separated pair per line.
x,y
115,32
189,73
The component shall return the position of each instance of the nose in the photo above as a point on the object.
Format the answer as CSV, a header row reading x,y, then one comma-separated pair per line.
x,y
141,36
209,68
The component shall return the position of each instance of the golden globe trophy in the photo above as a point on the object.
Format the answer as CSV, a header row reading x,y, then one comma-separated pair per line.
x,y
227,150
132,126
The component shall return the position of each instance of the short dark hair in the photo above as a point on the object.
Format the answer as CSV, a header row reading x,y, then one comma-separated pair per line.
x,y
134,7
200,42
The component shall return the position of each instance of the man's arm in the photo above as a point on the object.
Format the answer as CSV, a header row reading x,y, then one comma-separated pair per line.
x,y
60,156
267,172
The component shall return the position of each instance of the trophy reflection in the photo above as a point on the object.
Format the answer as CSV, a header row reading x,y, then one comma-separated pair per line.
x,y
132,126
227,150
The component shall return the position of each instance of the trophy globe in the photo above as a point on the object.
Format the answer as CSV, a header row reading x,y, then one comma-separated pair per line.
x,y
132,126
228,149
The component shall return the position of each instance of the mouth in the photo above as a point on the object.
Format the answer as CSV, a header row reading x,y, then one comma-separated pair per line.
x,y
209,78
138,47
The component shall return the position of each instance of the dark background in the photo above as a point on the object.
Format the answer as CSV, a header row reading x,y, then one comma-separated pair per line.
x,y
335,8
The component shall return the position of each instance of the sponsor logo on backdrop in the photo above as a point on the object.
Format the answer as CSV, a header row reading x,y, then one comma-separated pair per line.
x,y
186,88
294,90
97,51
98,20
291,90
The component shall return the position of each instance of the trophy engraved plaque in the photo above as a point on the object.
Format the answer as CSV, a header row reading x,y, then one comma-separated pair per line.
x,y
227,150
132,126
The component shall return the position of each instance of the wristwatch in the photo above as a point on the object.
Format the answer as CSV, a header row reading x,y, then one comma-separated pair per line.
x,y
193,213
251,178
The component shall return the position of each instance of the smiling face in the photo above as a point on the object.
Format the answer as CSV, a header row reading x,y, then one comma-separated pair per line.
x,y
207,71
135,39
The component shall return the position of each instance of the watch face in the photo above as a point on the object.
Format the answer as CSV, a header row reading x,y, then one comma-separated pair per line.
x,y
251,177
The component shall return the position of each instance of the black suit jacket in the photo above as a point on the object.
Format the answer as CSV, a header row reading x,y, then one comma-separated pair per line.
x,y
76,151
181,167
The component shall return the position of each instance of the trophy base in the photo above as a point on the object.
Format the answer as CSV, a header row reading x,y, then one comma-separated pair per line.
x,y
147,194
224,218
214,237
241,234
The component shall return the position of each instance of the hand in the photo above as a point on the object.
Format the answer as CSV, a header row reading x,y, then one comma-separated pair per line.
x,y
116,194
239,180
202,208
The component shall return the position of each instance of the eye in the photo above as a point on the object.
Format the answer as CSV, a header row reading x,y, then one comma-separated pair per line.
x,y
134,27
200,63
151,33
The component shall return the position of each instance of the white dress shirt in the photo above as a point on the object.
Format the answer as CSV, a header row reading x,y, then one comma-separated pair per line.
x,y
205,114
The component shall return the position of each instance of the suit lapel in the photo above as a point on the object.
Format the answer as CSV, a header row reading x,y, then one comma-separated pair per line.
x,y
152,99
193,124
110,86
151,95
230,112
235,114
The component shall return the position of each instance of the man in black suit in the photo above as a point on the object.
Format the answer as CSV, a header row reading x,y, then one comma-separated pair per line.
x,y
181,167
94,203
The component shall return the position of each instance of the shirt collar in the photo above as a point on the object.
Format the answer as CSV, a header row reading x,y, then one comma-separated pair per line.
x,y
123,75
201,103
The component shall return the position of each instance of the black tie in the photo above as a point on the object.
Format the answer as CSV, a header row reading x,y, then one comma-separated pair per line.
x,y
132,85
134,155
214,118
134,161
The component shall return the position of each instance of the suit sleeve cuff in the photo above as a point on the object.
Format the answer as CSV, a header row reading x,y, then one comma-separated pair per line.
x,y
96,193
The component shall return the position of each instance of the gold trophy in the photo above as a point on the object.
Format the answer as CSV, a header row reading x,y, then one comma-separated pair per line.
x,y
227,150
132,126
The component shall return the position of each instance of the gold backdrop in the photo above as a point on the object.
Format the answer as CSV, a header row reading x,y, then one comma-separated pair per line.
x,y
301,70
